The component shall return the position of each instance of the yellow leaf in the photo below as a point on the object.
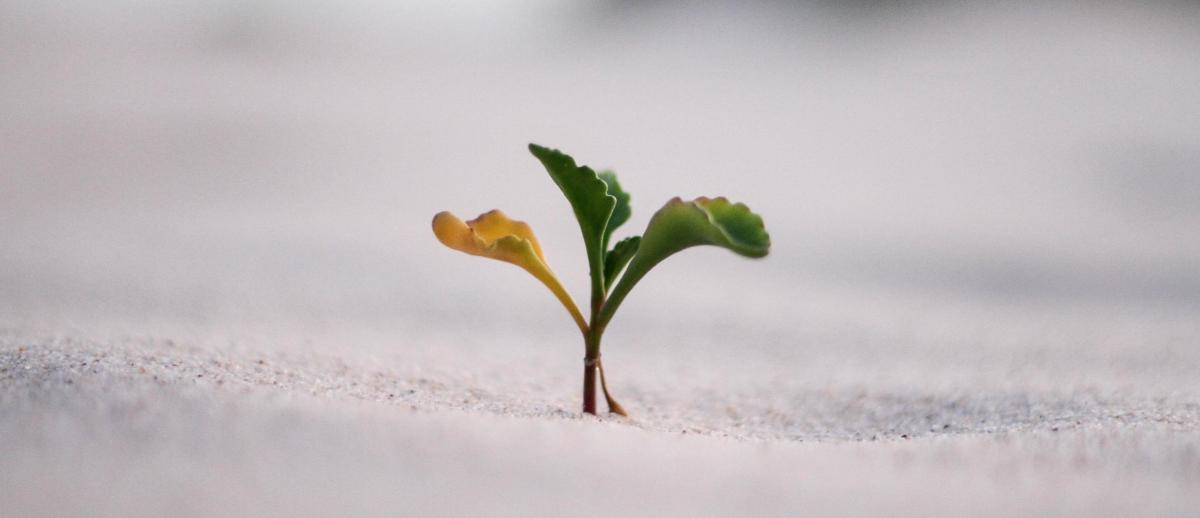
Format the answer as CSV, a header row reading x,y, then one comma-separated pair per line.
x,y
495,236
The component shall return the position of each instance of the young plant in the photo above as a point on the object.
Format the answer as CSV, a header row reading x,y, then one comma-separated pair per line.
x,y
601,206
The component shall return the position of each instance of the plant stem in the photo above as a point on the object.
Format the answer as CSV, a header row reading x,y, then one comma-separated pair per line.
x,y
613,406
591,364
633,274
589,387
591,341
590,359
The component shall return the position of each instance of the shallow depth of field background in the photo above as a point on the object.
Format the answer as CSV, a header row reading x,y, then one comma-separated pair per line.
x,y
979,204
221,157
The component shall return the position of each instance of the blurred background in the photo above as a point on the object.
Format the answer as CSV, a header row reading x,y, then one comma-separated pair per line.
x,y
934,175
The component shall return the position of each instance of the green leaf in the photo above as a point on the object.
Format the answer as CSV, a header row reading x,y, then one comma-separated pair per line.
x,y
703,221
616,259
680,225
590,200
621,212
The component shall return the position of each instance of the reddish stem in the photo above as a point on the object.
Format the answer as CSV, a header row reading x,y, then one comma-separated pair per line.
x,y
589,386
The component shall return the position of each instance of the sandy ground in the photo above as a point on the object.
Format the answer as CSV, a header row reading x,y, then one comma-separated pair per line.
x,y
126,426
219,294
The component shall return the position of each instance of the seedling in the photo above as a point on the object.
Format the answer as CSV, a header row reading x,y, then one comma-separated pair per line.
x,y
601,206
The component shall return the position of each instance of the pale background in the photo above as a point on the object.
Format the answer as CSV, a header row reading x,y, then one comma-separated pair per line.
x,y
217,278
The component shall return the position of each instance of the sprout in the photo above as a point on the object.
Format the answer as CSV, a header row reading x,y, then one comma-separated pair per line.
x,y
600,207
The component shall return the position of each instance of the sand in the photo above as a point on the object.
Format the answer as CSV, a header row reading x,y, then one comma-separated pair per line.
x,y
151,426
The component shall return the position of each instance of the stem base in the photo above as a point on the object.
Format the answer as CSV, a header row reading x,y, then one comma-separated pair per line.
x,y
589,386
